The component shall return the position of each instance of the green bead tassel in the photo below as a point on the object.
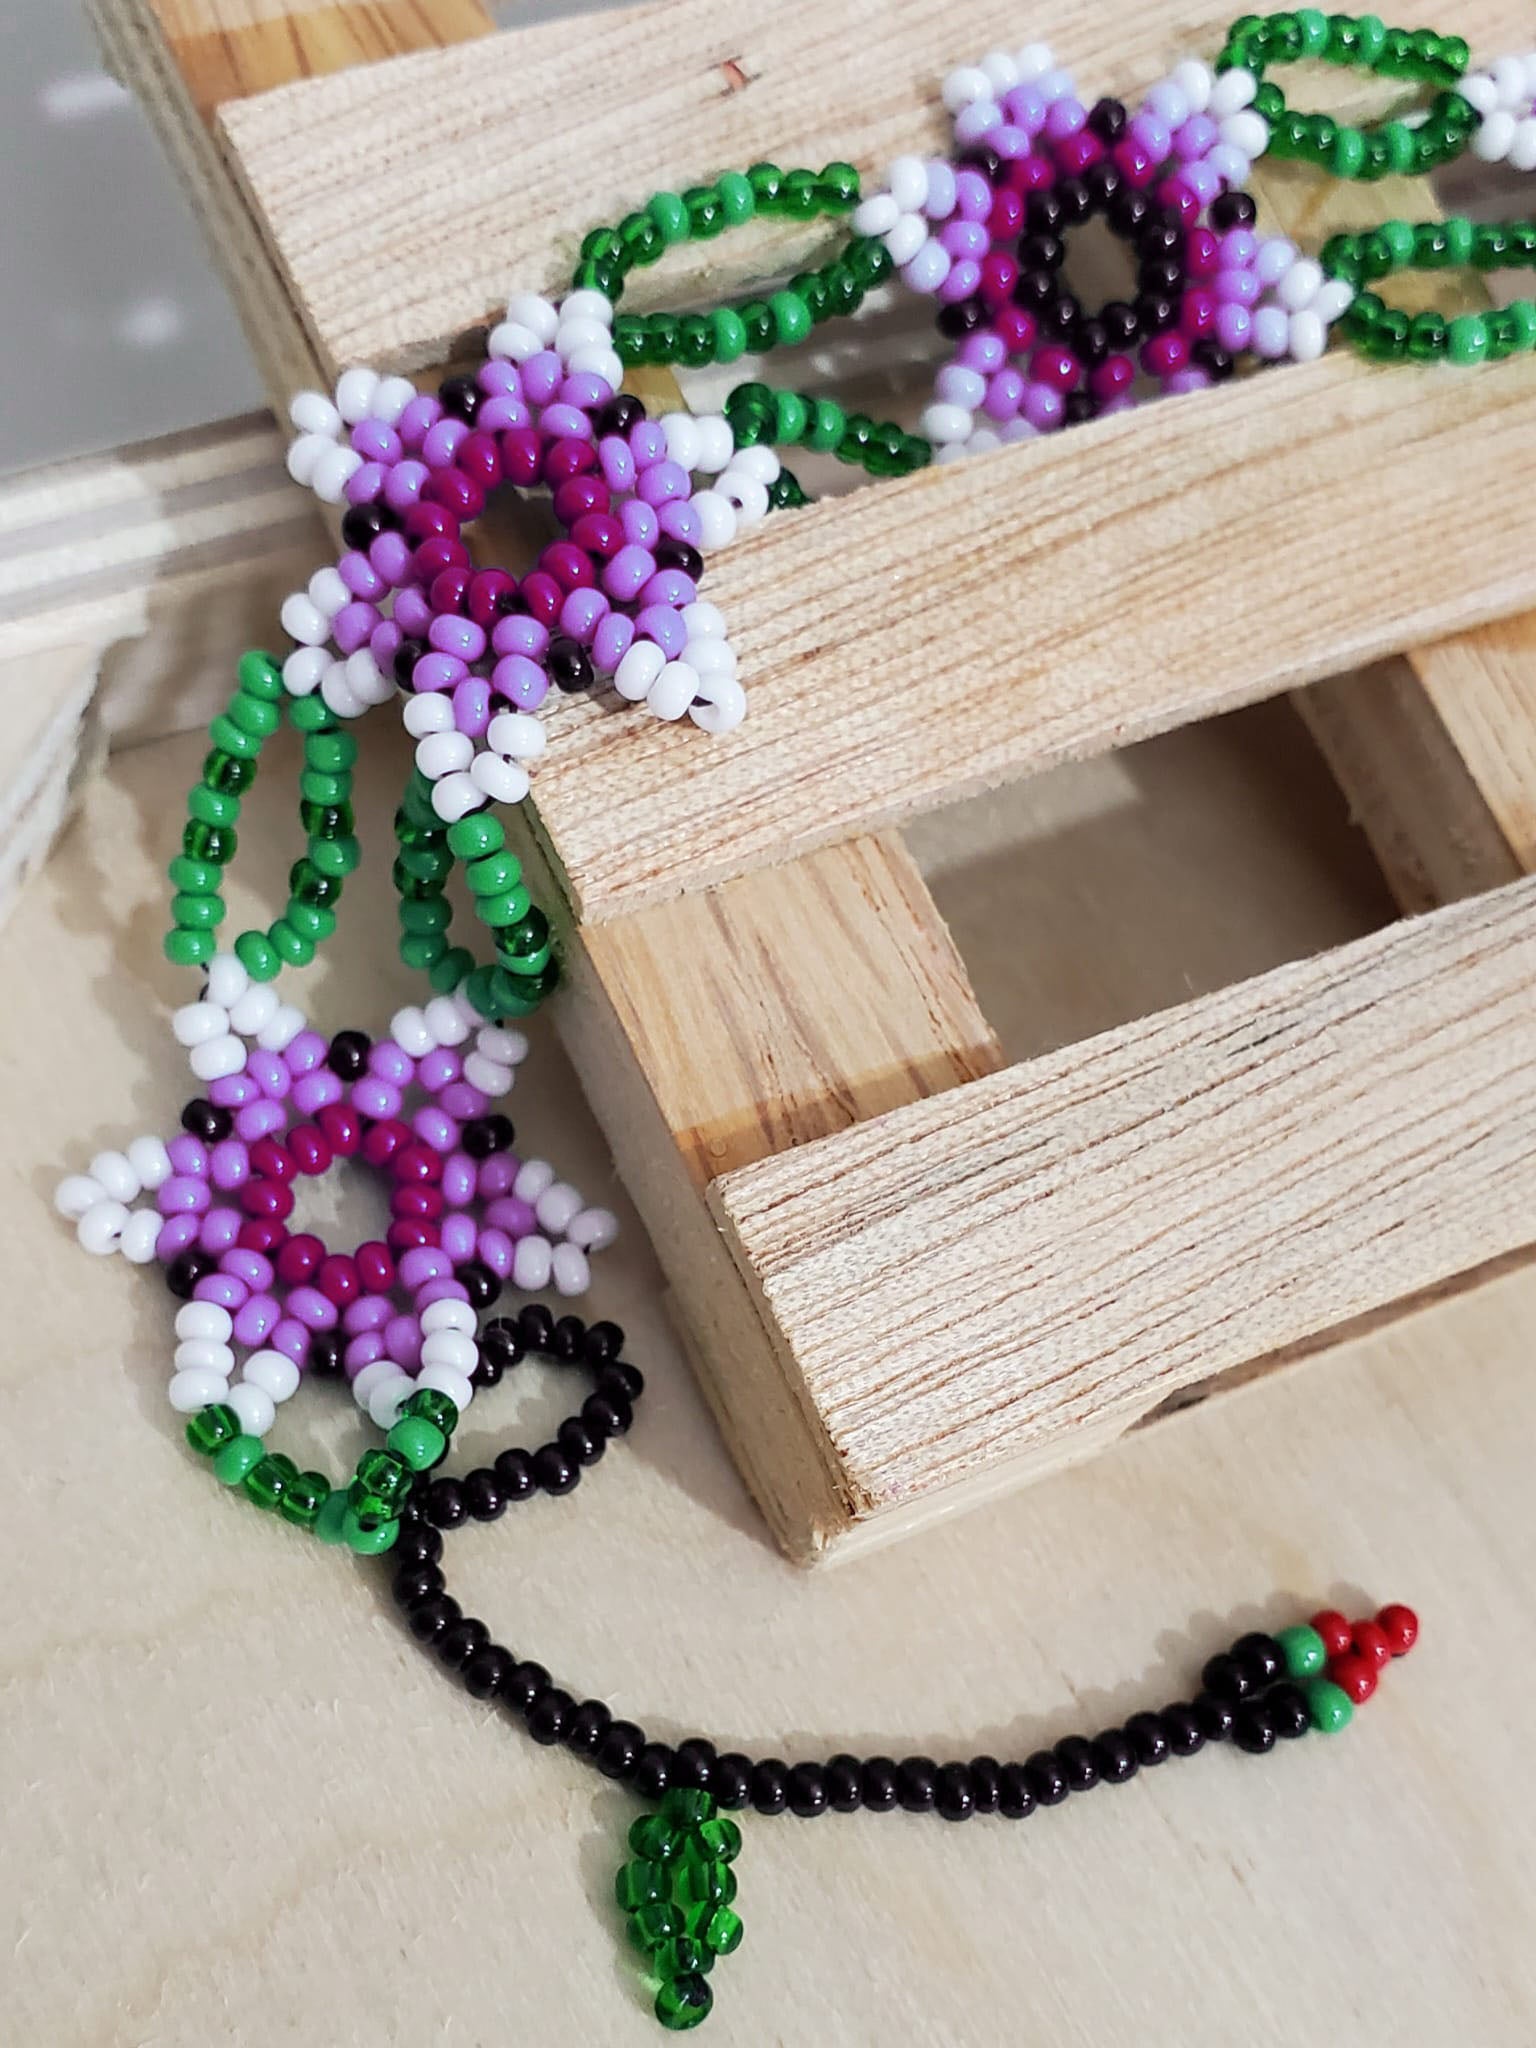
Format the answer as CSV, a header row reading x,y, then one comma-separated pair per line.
x,y
677,1891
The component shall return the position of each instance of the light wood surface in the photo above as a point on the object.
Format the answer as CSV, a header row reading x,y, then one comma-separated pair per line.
x,y
1008,1275
240,1807
972,624
475,199
1483,688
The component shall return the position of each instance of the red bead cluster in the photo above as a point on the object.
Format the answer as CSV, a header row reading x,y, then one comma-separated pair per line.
x,y
1359,1651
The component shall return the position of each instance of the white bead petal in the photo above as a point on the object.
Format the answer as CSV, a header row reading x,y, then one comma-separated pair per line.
x,y
1231,92
444,1019
1194,81
455,1385
487,1075
303,620
354,393
141,1234
536,313
313,413
907,183
453,1348
569,1270
1494,136
512,342
517,733
150,1161
391,396
333,472
117,1177
503,781
533,1177
905,239
388,1398
192,1391
594,1229
455,797
724,706
642,664
557,1206
304,670
272,1371
1300,284
371,1376
499,1042
716,443
227,978
259,1003
195,1023
102,1225
204,1319
532,1264
76,1193
449,752
204,1354
281,1028
966,83
1308,336
717,521
673,690
217,1057
448,1314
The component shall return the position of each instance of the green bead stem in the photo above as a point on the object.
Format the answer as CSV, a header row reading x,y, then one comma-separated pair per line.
x,y
1329,1705
760,413
655,1840
650,1926
684,2002
722,1932
682,1957
1387,334
238,1457
1389,148
1304,1651
641,1883
421,1444
211,1428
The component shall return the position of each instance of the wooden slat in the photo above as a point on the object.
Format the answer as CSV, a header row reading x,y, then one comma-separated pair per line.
x,y
975,1289
230,49
405,202
969,625
1483,687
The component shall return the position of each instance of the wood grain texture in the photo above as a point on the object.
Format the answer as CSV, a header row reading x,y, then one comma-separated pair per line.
x,y
230,49
792,1004
241,1806
1483,687
978,1287
510,151
970,625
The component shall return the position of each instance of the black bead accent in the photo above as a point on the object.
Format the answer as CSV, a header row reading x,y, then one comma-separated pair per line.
x,y
622,1378
1228,1679
956,321
986,1783
672,553
504,1341
418,1543
347,1054
1044,212
807,1791
478,1282
446,1505
1117,1756
1076,200
1286,1706
580,1444
1233,210
1262,1656
1105,181
770,1785
486,1671
953,1796
845,1783
414,1583
407,654
1076,1757
460,396
486,1370
568,1340
569,665
604,1416
1159,276
1034,290
1015,1793
878,1783
514,1475
547,1714
186,1269
553,1470
1217,362
1077,407
1156,312
1061,317
985,159
1107,119
1091,341
1160,240
586,1728
361,525
620,415
483,1496
523,1684
484,1135
1149,1738
430,1617
207,1121
617,1751
1042,250
1185,1734
1120,322
731,1780
536,1325
604,1341
460,1640
915,1777
1045,1778
693,1764
1214,1715
1253,1730
1129,211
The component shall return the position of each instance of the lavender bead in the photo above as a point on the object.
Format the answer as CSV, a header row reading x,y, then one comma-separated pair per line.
x,y
1057,85
419,415
472,705
1025,106
984,352
1064,117
390,1062
612,640
458,1182
306,1052
1149,132
1237,287
565,423
680,518
585,390
257,1319
220,1230
402,1342
390,555
362,1351
639,522
441,1290
497,414
229,1165
316,1311
1202,181
520,636
365,483
269,1073
413,614
254,1268
422,1263
660,623
670,587
973,195
496,1175
1044,407
663,480
521,681
402,487
359,575
450,634
940,203
1010,142
228,1293
617,462
377,443
182,1195
498,378
317,1091
1189,379
495,1249
962,282
230,1090
965,238
458,1234
463,1102
1005,395
259,1119
626,573
442,442
582,612
372,1097
542,377
513,1215
368,1312
1234,327
176,1233
1195,139
383,644
188,1154
353,626
647,443
433,1128
292,1339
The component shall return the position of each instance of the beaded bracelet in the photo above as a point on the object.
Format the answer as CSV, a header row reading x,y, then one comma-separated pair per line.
x,y
1387,334
678,1892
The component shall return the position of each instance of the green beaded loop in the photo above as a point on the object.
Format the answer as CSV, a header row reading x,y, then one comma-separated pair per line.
x,y
1387,334
1390,148
209,842
364,1514
758,413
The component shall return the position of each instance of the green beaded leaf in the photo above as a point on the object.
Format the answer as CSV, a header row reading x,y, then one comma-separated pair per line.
x,y
676,1892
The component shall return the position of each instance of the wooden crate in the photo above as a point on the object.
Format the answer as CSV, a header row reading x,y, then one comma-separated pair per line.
x,y
911,1274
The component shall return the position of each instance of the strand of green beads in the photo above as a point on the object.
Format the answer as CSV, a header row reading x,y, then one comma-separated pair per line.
x,y
722,334
678,1893
789,419
365,1514
525,970
238,735
1388,334
1391,148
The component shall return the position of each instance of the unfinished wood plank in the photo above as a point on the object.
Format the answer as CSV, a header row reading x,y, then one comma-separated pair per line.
x,y
229,49
486,165
969,625
1483,687
978,1288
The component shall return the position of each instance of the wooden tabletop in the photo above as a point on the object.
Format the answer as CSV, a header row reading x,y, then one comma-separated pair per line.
x,y
240,1805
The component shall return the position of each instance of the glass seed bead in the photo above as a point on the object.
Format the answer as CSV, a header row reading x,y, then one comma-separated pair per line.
x,y
212,806
335,856
332,753
313,921
430,1405
729,335
472,837
311,714
838,187
368,1542
197,913
684,2002
640,1883
1304,1651
738,202
385,1473
695,341
422,951
450,970
211,1428
209,842
254,715
236,1458
722,1932
506,911
670,216
329,1523
431,863
430,914
230,739
650,1926
304,1497
654,1839
194,877
421,1444
267,1480
290,946
1328,1704
706,215
494,873
259,675
682,1956
719,1838
189,948
689,1805
767,181
798,196
711,1883
791,317
1466,339
320,786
